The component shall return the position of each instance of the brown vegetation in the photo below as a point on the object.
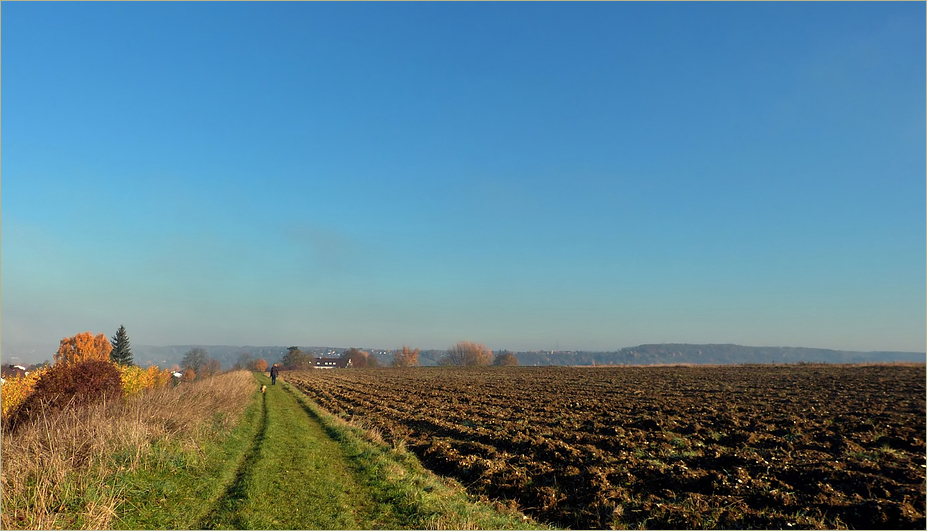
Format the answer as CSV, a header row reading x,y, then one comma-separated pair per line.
x,y
406,357
466,353
57,468
505,359
360,358
74,384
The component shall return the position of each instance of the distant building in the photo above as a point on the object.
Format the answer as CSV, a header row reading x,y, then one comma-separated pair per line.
x,y
331,363
12,371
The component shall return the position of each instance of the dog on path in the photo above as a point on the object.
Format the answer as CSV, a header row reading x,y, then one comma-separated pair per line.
x,y
263,388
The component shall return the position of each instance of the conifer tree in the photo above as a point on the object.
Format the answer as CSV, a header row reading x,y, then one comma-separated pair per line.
x,y
122,352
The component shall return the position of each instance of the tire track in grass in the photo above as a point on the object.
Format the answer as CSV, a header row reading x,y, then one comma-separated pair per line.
x,y
294,476
301,472
236,492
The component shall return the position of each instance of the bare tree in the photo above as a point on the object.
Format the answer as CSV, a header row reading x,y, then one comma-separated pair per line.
x,y
468,353
195,359
405,357
359,358
245,361
212,367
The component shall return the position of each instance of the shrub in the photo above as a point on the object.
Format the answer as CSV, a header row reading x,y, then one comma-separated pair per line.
x,y
70,384
505,359
14,391
406,357
136,379
468,353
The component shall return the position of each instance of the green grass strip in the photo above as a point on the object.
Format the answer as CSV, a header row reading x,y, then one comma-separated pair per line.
x,y
405,492
289,465
294,477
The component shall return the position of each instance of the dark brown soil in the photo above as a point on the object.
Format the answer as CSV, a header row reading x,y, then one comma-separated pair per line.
x,y
790,447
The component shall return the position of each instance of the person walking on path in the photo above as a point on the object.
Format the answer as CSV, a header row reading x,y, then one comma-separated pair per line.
x,y
274,371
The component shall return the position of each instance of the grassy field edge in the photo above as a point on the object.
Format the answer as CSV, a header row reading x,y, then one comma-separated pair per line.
x,y
180,484
396,477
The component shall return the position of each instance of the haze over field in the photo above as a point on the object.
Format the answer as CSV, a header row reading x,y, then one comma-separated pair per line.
x,y
575,176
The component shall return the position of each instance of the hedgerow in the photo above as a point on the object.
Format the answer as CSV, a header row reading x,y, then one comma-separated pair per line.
x,y
82,373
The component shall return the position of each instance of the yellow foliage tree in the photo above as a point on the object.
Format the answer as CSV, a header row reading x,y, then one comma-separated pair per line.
x,y
136,379
157,377
15,390
83,347
260,365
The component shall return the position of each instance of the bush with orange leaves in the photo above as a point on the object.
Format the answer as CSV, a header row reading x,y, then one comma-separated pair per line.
x,y
82,347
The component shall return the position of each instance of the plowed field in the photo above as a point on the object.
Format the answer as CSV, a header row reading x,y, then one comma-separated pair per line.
x,y
798,446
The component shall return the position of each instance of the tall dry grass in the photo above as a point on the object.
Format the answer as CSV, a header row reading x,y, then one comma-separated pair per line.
x,y
60,469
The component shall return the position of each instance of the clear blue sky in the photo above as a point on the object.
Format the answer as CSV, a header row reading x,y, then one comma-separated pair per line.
x,y
530,176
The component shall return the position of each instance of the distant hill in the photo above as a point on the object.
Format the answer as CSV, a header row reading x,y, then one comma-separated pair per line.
x,y
712,354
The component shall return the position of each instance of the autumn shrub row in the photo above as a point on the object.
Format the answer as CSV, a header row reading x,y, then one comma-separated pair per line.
x,y
82,374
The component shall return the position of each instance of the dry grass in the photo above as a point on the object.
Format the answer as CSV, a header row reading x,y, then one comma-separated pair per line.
x,y
59,470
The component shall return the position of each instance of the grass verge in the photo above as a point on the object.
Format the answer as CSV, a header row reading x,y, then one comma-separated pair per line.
x,y
179,484
402,489
86,468
218,454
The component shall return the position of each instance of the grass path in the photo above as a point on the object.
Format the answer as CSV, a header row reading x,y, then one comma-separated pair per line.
x,y
295,476
289,465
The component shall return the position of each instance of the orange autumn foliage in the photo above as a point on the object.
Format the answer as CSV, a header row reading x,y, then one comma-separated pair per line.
x,y
260,365
71,354
83,347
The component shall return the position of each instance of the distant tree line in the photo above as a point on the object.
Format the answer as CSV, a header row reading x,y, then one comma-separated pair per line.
x,y
464,353
196,364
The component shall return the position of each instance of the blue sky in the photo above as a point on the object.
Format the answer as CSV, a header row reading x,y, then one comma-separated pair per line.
x,y
531,176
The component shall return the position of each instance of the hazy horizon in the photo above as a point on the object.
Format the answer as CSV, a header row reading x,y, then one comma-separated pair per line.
x,y
41,353
531,176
